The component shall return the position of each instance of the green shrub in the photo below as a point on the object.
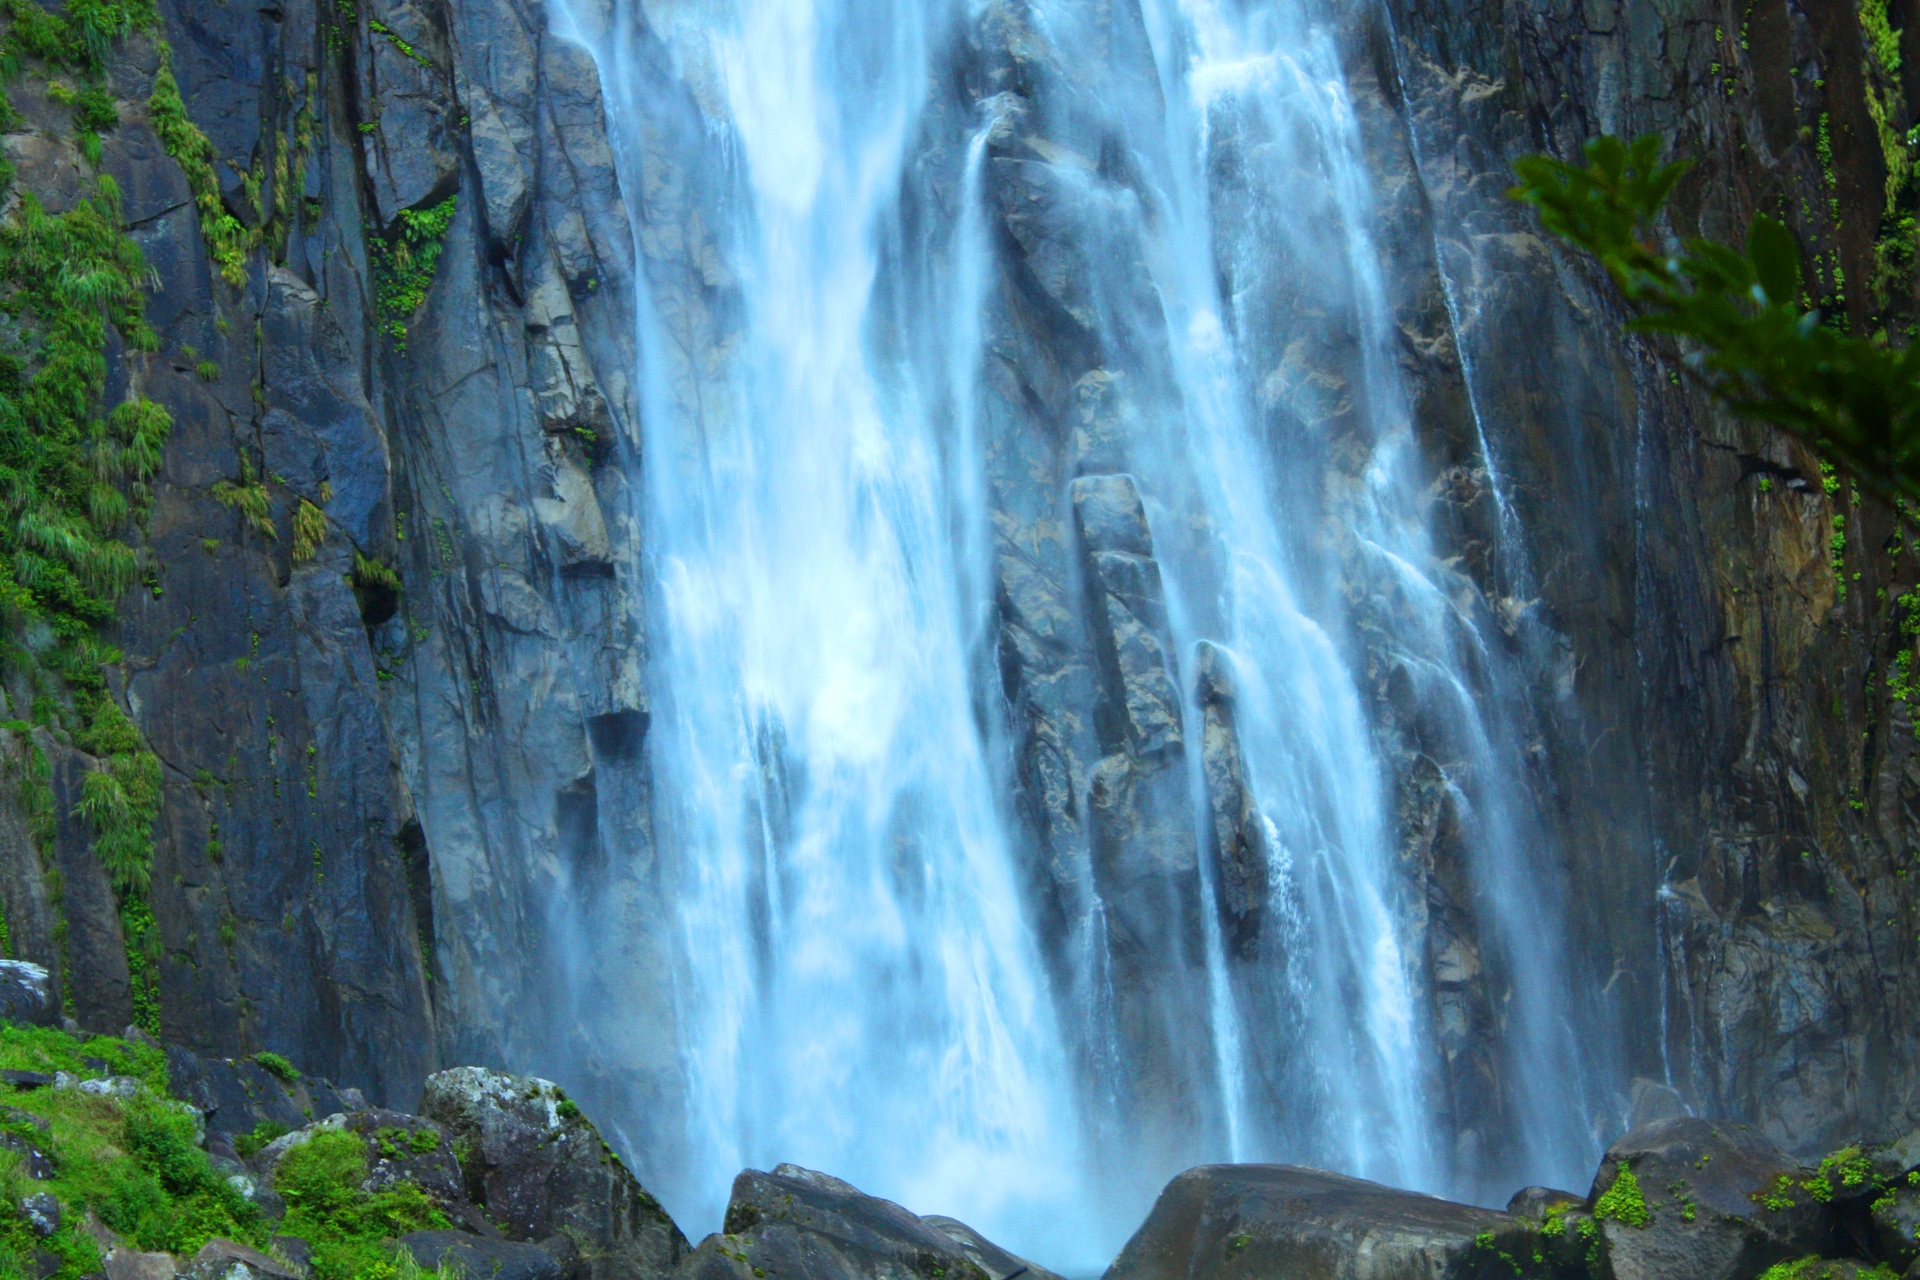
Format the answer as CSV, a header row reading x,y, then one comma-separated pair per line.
x,y
351,1230
277,1066
1747,334
248,1145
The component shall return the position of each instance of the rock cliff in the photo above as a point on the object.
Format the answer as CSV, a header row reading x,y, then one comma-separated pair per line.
x,y
390,652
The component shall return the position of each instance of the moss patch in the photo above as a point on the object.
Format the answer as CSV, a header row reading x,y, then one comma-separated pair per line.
x,y
1624,1202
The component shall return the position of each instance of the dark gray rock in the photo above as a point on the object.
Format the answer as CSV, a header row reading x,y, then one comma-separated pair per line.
x,y
1280,1220
35,1160
539,1169
42,1212
237,1095
220,1259
407,1149
990,1257
27,995
481,1257
1533,1203
810,1226
1720,1203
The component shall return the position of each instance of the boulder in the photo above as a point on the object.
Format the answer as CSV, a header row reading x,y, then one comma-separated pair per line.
x,y
1704,1200
35,1160
27,994
403,1148
131,1264
1535,1203
797,1224
990,1257
479,1256
237,1095
42,1212
1892,1226
220,1259
539,1169
1285,1221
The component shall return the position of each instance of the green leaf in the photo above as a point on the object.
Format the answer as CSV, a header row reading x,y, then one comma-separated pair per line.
x,y
1776,260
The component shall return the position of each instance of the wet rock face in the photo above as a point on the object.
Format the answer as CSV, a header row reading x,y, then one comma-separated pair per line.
x,y
1725,715
539,1170
1261,1220
321,730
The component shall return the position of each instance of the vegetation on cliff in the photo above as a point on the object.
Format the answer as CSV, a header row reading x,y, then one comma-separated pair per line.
x,y
74,470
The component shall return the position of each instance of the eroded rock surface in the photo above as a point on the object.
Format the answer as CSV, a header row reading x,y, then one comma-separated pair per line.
x,y
812,1226
1281,1220
538,1169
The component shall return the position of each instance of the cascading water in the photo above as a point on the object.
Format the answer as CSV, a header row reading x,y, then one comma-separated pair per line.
x,y
858,984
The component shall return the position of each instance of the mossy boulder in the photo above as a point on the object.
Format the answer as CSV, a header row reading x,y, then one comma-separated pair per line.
x,y
1703,1200
538,1169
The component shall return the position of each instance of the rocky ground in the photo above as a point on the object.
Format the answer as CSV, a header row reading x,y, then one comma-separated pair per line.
x,y
126,1161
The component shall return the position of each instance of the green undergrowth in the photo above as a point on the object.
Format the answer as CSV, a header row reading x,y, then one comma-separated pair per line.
x,y
135,1162
228,240
1894,244
351,1230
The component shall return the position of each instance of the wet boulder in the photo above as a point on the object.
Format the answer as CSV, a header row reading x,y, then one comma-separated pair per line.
x,y
992,1259
1705,1200
539,1169
1232,1221
482,1256
244,1097
27,995
1892,1228
801,1225
220,1259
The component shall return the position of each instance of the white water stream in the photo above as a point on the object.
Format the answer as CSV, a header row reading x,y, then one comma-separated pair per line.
x,y
860,987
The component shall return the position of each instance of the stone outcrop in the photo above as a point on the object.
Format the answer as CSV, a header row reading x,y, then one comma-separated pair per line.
x,y
539,1170
1691,1197
1254,1220
812,1226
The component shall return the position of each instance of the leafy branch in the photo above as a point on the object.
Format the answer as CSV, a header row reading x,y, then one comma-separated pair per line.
x,y
1744,332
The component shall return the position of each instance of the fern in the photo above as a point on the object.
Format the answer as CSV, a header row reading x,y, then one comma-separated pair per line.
x,y
309,531
250,499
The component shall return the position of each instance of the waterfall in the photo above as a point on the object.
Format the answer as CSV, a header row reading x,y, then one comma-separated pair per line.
x,y
863,980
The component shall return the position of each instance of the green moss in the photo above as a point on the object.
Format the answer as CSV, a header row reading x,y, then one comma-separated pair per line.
x,y
1777,1196
1623,1201
1823,1269
227,240
404,263
248,1145
309,531
406,50
74,473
